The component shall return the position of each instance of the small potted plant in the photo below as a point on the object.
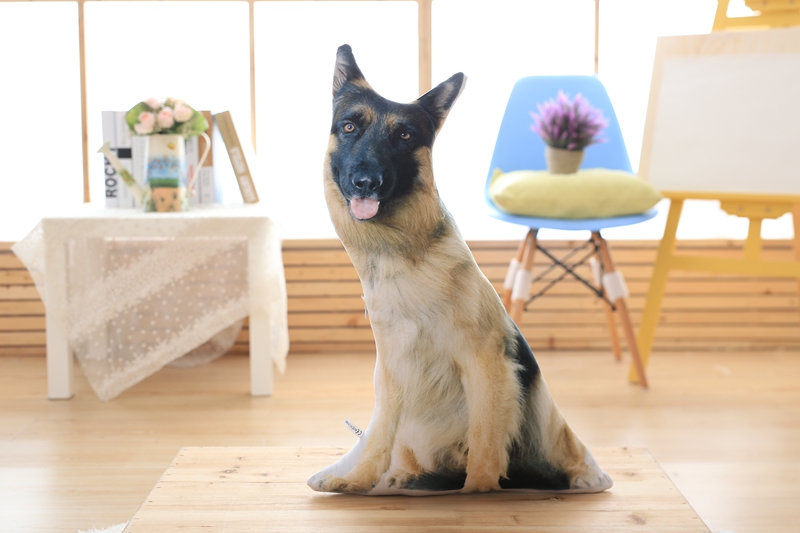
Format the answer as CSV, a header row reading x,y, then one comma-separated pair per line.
x,y
567,126
168,124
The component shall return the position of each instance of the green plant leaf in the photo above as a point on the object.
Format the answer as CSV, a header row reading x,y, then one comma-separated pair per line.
x,y
132,116
196,125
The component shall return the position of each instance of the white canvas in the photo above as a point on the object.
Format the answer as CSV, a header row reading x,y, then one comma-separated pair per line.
x,y
728,123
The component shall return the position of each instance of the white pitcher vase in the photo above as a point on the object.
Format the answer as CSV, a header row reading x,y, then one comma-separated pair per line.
x,y
168,186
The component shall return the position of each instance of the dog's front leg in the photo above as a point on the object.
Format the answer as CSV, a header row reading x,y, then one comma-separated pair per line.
x,y
377,454
492,393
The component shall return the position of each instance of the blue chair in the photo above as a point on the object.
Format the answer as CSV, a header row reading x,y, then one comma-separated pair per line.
x,y
518,148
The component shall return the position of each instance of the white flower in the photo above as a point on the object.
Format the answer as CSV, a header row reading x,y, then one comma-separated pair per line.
x,y
153,103
165,118
147,119
142,129
183,113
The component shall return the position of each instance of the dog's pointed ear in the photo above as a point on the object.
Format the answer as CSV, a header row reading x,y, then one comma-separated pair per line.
x,y
346,68
438,101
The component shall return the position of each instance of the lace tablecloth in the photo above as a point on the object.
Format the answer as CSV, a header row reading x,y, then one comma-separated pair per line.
x,y
130,292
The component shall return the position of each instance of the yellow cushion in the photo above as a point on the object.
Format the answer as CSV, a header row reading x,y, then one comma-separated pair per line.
x,y
591,193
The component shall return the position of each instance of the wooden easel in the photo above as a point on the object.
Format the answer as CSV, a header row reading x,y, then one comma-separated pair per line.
x,y
712,98
754,207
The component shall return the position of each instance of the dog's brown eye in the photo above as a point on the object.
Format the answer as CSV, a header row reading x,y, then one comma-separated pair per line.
x,y
405,136
349,127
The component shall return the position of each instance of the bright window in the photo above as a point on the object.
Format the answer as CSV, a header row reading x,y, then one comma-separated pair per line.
x,y
40,137
295,54
196,51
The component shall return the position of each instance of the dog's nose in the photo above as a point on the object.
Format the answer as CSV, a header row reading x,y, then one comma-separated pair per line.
x,y
367,184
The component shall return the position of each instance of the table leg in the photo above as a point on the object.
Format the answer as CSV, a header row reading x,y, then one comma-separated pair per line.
x,y
260,354
59,358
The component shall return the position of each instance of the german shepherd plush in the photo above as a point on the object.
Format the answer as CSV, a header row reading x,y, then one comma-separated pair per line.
x,y
461,405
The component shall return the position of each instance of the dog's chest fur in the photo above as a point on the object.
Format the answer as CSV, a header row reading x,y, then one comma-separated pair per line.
x,y
423,334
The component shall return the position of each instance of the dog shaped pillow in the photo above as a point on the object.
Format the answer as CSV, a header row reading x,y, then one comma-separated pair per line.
x,y
461,405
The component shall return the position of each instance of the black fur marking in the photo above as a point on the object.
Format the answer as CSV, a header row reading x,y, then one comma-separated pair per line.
x,y
521,352
437,481
528,473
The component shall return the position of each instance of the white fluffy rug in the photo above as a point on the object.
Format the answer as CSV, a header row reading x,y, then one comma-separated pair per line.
x,y
113,529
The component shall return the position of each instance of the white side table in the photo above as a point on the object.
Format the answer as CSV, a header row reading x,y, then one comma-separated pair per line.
x,y
59,251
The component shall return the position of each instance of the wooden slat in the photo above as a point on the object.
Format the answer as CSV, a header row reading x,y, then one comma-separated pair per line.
x,y
18,292
497,273
22,338
571,287
21,307
22,323
9,260
15,277
574,317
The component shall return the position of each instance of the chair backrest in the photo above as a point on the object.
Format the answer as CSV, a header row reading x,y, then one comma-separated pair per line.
x,y
519,148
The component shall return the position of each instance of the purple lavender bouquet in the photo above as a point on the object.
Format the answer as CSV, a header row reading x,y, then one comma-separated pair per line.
x,y
568,124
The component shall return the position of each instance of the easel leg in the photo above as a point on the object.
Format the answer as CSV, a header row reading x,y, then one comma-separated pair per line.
x,y
522,281
508,285
796,222
622,307
658,284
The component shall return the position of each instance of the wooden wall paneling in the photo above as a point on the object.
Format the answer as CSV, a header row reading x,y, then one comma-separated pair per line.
x,y
326,312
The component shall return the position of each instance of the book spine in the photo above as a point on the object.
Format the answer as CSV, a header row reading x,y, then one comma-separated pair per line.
x,y
237,156
206,177
112,180
124,153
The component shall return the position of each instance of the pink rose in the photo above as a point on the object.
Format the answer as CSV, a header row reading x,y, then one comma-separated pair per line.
x,y
165,118
147,119
142,129
153,103
183,113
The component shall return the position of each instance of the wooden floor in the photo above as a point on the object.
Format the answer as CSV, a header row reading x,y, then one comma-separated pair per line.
x,y
724,426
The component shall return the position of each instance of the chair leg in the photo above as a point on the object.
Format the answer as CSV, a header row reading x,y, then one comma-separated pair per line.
x,y
609,311
619,303
612,331
522,281
508,285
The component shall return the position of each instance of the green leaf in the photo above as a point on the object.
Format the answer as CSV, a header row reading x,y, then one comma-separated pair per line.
x,y
196,125
132,116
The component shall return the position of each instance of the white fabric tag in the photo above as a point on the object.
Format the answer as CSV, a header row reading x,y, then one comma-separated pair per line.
x,y
522,285
594,264
513,266
352,427
615,286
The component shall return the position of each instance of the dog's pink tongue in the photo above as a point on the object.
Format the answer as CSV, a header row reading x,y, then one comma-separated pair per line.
x,y
364,208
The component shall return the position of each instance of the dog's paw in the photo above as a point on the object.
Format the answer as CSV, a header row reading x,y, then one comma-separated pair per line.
x,y
484,483
398,479
345,485
593,480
